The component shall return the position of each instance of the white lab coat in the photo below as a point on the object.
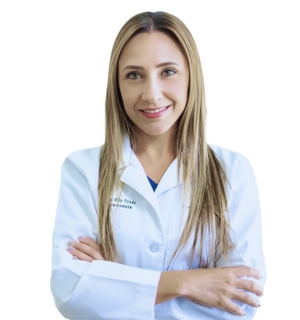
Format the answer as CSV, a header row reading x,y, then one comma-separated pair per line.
x,y
147,226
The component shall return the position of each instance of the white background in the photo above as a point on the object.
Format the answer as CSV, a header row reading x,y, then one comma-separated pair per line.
x,y
53,69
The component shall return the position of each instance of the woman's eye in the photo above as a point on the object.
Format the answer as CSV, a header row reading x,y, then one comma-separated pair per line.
x,y
133,76
168,72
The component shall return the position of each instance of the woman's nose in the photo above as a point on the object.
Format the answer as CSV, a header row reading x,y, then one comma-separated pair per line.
x,y
152,91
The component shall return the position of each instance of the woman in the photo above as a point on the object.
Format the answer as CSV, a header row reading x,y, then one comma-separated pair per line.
x,y
163,226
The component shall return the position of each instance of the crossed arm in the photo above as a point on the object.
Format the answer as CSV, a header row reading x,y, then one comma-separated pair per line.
x,y
213,287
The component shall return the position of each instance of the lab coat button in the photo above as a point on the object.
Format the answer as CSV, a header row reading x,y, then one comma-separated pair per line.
x,y
154,247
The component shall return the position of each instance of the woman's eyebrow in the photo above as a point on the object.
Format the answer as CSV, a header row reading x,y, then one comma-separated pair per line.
x,y
157,66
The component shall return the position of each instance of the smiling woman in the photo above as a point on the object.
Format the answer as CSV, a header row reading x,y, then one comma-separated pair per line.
x,y
157,223
156,86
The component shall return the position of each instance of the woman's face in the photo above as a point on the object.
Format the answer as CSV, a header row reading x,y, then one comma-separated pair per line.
x,y
153,79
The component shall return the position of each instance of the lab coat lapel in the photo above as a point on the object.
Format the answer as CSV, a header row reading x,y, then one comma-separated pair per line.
x,y
169,179
134,175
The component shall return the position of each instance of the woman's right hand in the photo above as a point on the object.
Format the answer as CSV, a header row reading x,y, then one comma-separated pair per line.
x,y
213,287
217,287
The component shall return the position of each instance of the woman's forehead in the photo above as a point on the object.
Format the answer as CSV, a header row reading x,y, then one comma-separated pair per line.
x,y
148,48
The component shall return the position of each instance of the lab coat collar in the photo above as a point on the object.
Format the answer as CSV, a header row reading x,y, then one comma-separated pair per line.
x,y
170,178
135,176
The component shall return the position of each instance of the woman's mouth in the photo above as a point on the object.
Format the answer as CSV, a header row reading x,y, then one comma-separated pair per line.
x,y
154,113
154,110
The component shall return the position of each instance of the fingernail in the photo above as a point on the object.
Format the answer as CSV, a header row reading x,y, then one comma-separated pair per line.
x,y
71,242
70,248
81,238
75,258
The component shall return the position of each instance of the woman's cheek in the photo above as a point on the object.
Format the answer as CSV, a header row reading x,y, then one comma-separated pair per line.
x,y
178,92
130,98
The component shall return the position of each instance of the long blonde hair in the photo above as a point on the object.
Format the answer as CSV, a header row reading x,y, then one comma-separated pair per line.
x,y
202,172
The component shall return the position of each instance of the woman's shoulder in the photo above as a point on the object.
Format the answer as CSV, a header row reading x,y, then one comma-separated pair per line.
x,y
227,155
88,154
232,161
85,160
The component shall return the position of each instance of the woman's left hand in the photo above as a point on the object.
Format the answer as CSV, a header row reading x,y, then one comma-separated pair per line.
x,y
85,249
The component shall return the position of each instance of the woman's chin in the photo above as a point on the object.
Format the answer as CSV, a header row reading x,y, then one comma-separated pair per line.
x,y
156,132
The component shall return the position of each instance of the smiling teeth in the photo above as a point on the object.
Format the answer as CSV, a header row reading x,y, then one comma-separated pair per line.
x,y
155,111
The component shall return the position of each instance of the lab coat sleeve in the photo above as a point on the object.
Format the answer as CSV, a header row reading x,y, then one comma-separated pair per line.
x,y
101,289
245,220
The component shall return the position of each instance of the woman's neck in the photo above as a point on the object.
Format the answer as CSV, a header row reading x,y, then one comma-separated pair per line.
x,y
156,147
155,153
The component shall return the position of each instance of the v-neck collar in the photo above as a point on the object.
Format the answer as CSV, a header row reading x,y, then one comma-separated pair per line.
x,y
134,175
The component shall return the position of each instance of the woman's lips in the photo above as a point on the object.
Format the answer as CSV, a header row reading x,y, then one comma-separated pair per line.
x,y
154,113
